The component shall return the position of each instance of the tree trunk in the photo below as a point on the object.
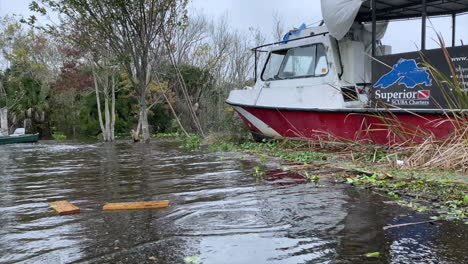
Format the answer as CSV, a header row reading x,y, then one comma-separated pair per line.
x,y
144,121
98,102
4,121
143,111
112,134
73,117
107,119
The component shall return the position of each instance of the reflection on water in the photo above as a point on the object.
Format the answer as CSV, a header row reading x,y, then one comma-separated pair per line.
x,y
218,211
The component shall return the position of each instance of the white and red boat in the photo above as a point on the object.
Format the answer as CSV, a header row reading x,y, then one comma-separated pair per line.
x,y
322,82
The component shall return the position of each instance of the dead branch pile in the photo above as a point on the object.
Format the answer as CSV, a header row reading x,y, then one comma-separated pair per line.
x,y
449,154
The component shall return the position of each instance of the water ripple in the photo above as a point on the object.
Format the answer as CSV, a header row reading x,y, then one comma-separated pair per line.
x,y
218,211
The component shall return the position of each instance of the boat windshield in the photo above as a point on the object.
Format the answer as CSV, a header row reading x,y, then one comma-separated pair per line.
x,y
298,62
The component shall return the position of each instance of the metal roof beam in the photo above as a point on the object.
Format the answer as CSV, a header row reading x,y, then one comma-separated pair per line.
x,y
392,7
415,6
394,17
393,11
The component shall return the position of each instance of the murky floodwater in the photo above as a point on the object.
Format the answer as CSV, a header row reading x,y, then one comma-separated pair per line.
x,y
219,213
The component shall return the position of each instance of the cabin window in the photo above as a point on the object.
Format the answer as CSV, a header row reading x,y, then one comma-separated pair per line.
x,y
299,62
273,66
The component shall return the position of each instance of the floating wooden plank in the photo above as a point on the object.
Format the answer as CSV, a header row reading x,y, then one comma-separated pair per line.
x,y
64,207
408,224
136,205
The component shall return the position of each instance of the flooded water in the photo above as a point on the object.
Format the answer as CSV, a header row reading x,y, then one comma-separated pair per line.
x,y
218,214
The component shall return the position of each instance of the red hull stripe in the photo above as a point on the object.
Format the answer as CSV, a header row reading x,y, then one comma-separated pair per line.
x,y
255,124
345,126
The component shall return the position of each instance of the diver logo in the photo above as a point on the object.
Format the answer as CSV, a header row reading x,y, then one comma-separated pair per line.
x,y
424,94
407,73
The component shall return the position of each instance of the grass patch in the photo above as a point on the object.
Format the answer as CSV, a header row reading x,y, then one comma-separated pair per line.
x,y
192,142
59,136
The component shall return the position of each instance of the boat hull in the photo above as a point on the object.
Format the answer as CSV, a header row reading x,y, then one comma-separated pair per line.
x,y
19,139
364,125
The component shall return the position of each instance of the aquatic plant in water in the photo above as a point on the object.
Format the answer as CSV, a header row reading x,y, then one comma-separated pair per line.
x,y
192,142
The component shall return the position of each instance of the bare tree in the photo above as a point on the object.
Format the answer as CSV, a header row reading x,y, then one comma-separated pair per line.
x,y
278,27
105,76
188,39
222,51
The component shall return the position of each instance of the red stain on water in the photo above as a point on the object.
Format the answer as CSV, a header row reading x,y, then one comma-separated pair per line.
x,y
280,177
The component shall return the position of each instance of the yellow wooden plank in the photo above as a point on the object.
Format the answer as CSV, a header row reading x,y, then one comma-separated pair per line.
x,y
64,207
136,205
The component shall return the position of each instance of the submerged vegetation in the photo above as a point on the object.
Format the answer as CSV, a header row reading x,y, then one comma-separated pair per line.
x,y
447,199
192,142
439,192
59,136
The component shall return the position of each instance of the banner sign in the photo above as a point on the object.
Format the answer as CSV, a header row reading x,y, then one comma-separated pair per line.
x,y
402,80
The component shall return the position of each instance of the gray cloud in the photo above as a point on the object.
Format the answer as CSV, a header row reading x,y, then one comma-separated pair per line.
x,y
402,35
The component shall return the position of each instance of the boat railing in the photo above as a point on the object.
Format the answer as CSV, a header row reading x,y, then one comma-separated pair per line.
x,y
286,41
258,49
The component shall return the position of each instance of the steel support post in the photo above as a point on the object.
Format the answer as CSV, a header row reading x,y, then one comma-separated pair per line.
x,y
374,27
423,30
454,22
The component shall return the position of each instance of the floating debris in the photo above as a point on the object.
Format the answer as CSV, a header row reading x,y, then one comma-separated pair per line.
x,y
64,208
193,259
136,205
409,224
372,255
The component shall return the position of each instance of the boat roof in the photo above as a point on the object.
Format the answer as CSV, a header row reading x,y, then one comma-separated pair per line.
x,y
406,9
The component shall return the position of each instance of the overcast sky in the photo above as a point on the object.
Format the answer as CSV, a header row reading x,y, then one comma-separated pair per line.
x,y
403,35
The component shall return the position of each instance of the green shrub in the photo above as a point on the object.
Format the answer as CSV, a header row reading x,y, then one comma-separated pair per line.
x,y
192,142
59,136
